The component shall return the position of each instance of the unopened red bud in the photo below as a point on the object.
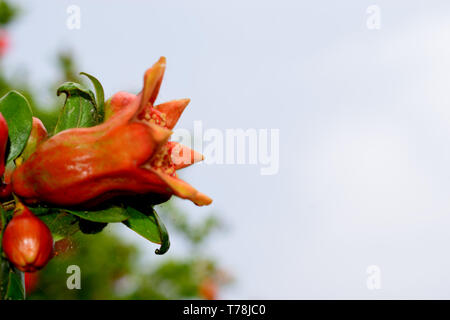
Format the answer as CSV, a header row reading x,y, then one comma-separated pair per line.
x,y
27,241
3,143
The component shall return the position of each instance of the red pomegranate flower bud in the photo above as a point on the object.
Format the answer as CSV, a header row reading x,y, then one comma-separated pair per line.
x,y
3,143
128,154
5,187
27,241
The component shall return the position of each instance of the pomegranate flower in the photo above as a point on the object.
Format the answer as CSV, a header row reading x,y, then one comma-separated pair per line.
x,y
127,154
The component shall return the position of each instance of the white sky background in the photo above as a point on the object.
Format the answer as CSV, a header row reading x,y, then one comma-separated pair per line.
x,y
364,119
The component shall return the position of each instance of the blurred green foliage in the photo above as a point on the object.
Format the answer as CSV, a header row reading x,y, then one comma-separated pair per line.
x,y
109,268
7,12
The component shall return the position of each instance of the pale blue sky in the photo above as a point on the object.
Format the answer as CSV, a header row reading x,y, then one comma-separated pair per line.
x,y
364,119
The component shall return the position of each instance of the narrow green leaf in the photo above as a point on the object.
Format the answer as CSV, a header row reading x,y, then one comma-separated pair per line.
x,y
144,225
99,93
17,113
150,227
112,214
79,109
164,235
16,285
4,276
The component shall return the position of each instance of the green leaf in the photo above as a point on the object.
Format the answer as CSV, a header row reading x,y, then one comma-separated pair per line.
x,y
4,276
79,108
16,285
61,224
17,113
150,227
39,211
12,282
164,235
99,93
112,214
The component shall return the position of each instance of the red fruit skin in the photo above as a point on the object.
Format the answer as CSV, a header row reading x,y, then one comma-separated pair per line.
x,y
118,102
37,136
5,190
27,241
3,143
